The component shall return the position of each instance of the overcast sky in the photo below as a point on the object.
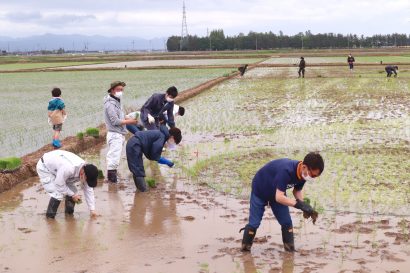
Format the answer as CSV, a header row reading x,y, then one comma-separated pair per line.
x,y
162,18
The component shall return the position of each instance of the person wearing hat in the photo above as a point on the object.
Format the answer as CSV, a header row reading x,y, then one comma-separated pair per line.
x,y
59,171
115,122
302,66
152,112
150,143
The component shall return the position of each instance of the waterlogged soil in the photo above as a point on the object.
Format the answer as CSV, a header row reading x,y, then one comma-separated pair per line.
x,y
182,226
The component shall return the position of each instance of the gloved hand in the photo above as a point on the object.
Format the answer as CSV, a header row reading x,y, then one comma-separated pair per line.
x,y
151,119
303,206
165,161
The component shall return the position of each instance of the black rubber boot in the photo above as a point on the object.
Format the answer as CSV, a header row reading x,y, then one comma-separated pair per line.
x,y
69,205
112,176
52,208
288,240
248,236
140,183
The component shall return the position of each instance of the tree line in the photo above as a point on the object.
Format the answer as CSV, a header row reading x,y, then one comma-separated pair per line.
x,y
217,40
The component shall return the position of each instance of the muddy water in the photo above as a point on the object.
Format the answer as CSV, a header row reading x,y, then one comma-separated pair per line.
x,y
181,226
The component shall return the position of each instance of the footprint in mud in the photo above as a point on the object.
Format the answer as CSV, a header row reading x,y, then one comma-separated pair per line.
x,y
25,230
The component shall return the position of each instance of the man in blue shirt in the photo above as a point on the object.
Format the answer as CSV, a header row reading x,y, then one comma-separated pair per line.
x,y
269,187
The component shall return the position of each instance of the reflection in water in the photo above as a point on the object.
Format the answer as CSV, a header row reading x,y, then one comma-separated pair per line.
x,y
288,263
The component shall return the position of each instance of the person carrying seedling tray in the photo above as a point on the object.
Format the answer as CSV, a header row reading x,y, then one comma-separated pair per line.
x,y
59,171
115,122
269,187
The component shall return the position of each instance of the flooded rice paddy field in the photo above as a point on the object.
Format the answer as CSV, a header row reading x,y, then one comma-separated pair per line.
x,y
190,222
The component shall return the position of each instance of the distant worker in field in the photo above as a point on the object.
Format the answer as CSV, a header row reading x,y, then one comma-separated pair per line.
x,y
269,187
151,144
59,171
350,61
302,66
178,111
242,69
56,115
153,109
115,122
390,69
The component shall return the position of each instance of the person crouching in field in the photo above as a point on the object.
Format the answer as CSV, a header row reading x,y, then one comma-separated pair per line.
x,y
178,111
390,69
59,171
56,116
350,61
269,187
153,109
115,122
150,143
302,66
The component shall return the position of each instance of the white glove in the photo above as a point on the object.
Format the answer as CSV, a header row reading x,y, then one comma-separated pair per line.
x,y
151,119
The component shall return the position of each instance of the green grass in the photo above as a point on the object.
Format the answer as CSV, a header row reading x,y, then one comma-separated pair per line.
x,y
9,163
94,132
23,104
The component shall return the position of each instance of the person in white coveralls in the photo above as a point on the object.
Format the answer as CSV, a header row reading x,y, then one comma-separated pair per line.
x,y
59,171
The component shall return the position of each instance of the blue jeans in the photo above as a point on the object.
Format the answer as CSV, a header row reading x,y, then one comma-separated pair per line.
x,y
132,128
257,208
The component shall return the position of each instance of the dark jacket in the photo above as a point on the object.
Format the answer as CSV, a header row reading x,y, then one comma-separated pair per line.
x,y
391,69
156,105
350,59
152,142
302,64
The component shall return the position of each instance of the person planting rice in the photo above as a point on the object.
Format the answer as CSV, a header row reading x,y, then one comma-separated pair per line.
x,y
150,143
302,66
153,109
350,61
269,187
115,122
242,69
390,69
59,171
178,111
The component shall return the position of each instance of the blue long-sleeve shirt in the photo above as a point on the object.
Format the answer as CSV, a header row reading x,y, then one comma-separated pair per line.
x,y
152,142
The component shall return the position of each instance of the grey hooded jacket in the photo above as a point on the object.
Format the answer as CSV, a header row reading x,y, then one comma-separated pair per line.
x,y
113,115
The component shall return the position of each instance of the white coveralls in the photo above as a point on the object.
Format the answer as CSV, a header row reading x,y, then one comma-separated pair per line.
x,y
59,171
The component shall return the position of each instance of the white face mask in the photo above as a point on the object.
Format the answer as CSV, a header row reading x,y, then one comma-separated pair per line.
x,y
308,178
118,95
168,99
171,145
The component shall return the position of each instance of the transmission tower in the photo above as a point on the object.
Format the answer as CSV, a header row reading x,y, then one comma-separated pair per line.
x,y
184,30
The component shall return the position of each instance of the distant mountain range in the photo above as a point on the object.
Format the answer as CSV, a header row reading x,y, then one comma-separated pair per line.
x,y
79,43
